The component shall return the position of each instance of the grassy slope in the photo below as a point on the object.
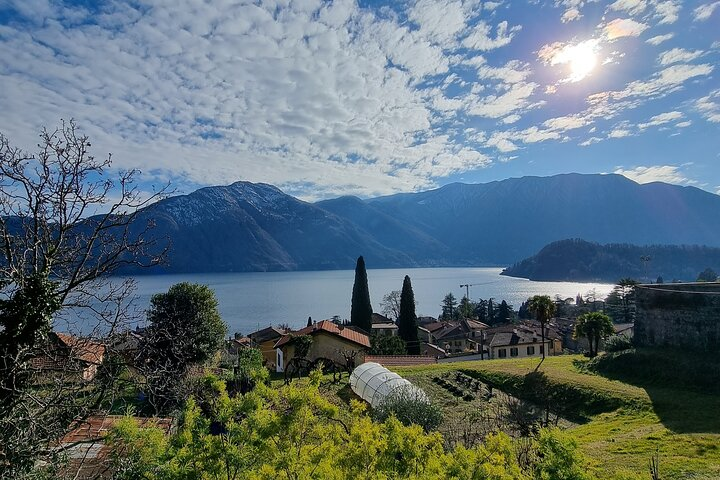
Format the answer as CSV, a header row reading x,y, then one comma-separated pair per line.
x,y
681,424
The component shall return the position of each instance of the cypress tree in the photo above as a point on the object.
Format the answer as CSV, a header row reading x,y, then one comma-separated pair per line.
x,y
407,323
361,310
309,324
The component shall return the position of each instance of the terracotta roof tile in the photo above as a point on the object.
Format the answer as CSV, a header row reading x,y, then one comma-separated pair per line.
x,y
328,327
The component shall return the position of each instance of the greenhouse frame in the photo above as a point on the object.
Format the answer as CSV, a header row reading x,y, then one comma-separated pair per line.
x,y
373,383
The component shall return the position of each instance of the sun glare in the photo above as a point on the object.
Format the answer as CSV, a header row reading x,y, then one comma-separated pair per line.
x,y
582,61
581,58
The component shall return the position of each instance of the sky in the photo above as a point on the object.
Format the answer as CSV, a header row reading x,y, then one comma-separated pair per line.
x,y
370,98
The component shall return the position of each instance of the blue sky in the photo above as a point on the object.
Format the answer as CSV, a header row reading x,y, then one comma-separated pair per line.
x,y
326,99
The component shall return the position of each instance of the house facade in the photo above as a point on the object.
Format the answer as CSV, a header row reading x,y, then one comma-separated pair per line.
x,y
329,341
264,340
72,357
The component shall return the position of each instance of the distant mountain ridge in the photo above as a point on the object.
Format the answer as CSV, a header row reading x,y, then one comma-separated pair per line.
x,y
256,227
576,260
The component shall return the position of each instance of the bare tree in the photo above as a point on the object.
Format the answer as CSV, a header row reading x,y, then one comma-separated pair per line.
x,y
57,252
391,305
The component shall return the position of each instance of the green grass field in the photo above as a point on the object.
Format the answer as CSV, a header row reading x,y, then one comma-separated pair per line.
x,y
618,422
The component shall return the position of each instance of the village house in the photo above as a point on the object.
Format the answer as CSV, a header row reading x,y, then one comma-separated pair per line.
x,y
454,337
521,340
330,341
265,340
381,325
74,358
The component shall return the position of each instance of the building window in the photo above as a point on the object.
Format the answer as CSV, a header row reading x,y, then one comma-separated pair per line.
x,y
513,352
531,350
502,353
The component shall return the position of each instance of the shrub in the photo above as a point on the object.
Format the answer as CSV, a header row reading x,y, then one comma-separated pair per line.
x,y
618,343
410,407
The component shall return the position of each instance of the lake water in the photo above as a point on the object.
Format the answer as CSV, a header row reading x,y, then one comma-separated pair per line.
x,y
249,301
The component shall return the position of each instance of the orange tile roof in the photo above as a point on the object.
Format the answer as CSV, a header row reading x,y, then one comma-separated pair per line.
x,y
83,349
328,327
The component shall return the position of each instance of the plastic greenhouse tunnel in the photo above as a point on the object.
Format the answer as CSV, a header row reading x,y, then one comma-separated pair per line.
x,y
373,383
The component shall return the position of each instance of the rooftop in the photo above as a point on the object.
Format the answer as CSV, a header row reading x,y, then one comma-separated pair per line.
x,y
328,326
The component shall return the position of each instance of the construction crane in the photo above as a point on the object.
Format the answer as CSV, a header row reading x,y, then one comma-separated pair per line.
x,y
467,288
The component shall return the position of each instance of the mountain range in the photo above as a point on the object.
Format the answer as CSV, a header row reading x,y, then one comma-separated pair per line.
x,y
256,227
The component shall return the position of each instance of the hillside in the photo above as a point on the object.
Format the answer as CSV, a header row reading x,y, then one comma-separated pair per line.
x,y
582,261
257,227
622,419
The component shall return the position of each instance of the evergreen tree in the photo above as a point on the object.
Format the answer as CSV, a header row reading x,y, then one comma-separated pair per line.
x,y
504,312
466,307
448,307
707,275
407,323
480,311
361,310
309,324
491,311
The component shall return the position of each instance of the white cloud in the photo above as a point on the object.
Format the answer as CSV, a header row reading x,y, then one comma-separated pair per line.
x,y
570,122
705,11
623,27
684,124
619,133
516,98
440,22
709,106
632,7
668,11
590,141
660,84
678,55
570,15
657,40
661,119
657,173
261,92
481,37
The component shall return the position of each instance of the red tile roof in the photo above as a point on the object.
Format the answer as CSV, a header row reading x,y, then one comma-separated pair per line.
x,y
328,326
83,349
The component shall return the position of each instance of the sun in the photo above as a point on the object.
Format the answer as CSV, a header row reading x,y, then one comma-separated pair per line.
x,y
582,59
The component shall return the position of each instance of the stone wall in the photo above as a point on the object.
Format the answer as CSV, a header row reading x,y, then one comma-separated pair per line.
x,y
685,315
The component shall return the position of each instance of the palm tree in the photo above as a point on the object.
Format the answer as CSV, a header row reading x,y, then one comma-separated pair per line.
x,y
544,308
593,326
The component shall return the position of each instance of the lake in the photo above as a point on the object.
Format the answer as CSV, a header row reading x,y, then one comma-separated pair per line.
x,y
249,301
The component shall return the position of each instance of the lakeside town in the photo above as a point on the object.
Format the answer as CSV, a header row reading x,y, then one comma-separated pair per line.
x,y
162,361
359,240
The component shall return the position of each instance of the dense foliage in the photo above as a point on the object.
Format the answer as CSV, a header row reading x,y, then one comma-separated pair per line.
x,y
411,408
185,329
578,260
617,343
594,326
387,345
407,323
294,433
620,303
360,308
